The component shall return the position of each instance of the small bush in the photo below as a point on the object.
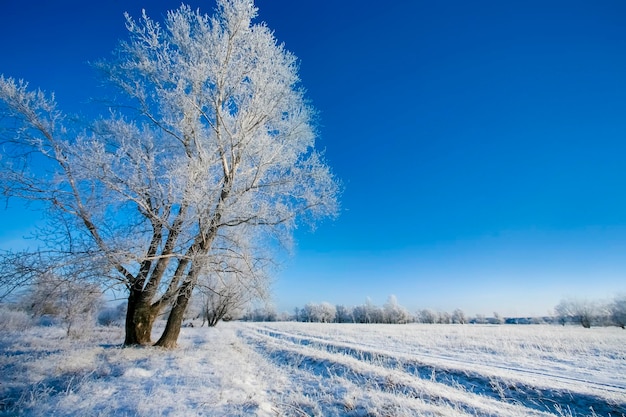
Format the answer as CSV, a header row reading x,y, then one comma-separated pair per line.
x,y
14,320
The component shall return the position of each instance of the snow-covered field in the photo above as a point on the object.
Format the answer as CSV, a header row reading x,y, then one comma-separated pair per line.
x,y
303,369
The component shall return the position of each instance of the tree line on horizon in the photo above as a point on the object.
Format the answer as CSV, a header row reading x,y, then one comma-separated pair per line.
x,y
586,313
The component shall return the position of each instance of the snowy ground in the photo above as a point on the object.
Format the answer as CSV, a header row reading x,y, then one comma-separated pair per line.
x,y
298,369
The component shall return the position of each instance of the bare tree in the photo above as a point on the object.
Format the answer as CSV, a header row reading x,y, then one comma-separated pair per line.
x,y
427,316
232,285
394,313
344,314
480,319
213,142
497,318
443,317
327,312
74,303
618,311
266,312
458,316
319,313
582,312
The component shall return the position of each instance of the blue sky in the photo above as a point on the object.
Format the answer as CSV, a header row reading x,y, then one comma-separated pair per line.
x,y
481,144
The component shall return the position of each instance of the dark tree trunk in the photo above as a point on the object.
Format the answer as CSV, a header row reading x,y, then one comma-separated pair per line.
x,y
145,316
140,317
175,320
131,337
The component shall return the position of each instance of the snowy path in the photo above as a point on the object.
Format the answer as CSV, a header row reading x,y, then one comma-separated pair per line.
x,y
479,382
393,357
336,382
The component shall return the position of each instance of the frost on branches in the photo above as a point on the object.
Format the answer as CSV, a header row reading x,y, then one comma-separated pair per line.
x,y
206,162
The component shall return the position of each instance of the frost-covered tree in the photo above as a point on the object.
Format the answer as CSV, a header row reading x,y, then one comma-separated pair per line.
x,y
458,317
308,312
444,317
480,319
427,316
368,313
319,313
264,313
75,304
618,311
327,312
211,142
497,318
230,287
344,314
582,312
394,313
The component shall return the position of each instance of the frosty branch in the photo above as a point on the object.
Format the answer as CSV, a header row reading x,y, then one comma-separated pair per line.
x,y
212,148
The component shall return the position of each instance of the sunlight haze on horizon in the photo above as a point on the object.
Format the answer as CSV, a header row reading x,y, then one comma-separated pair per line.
x,y
481,145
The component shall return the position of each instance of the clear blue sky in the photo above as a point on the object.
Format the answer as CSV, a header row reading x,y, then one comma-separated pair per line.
x,y
481,144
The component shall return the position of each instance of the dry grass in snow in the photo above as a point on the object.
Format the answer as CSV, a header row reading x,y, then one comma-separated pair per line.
x,y
298,369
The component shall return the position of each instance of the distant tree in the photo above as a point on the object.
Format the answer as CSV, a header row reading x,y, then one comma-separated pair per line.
x,y
427,316
319,313
285,316
458,317
564,311
603,313
270,313
344,314
216,305
480,319
444,317
497,318
263,313
373,313
367,313
582,312
232,283
327,312
360,315
618,311
309,312
394,313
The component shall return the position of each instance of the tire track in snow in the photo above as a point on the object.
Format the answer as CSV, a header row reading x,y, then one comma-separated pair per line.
x,y
476,378
305,375
616,387
368,371
304,339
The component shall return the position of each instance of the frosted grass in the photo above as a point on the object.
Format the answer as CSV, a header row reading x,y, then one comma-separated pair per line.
x,y
306,369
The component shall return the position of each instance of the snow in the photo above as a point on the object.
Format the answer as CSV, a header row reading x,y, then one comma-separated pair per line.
x,y
298,369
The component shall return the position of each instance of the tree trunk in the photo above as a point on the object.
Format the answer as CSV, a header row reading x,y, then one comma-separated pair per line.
x,y
144,320
131,337
175,320
140,317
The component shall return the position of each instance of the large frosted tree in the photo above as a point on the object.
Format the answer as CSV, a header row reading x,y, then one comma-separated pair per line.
x,y
207,158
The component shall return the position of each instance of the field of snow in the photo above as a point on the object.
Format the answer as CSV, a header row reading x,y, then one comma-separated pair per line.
x,y
306,369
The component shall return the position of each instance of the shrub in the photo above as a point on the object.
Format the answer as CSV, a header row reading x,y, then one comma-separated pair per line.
x,y
13,319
